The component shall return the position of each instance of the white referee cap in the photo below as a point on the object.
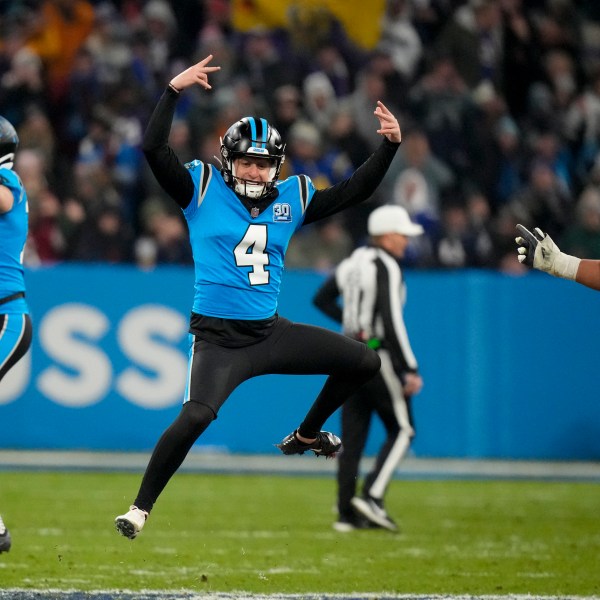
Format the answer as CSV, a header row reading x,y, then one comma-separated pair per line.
x,y
392,219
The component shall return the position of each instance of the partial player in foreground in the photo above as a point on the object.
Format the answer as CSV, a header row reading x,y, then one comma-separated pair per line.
x,y
15,323
240,220
373,292
539,251
4,537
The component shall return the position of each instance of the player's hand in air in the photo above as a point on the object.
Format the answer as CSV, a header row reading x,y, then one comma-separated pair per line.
x,y
388,124
196,74
538,250
528,243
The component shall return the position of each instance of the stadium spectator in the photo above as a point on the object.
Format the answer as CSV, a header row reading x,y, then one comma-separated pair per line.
x,y
399,38
481,233
472,40
319,100
59,32
537,58
441,103
419,181
582,238
321,247
261,64
544,200
22,86
287,108
330,62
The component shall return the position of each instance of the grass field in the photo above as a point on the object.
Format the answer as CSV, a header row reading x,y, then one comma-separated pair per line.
x,y
273,535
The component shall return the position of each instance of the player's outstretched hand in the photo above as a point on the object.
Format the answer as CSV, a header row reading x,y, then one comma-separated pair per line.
x,y
388,124
539,251
528,243
196,74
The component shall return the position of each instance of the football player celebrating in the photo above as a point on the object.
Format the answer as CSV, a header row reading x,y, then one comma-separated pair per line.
x,y
539,251
241,219
15,323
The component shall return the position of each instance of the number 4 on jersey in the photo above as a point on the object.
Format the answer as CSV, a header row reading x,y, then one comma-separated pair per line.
x,y
250,252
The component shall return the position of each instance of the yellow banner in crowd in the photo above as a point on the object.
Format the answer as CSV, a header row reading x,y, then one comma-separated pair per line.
x,y
361,20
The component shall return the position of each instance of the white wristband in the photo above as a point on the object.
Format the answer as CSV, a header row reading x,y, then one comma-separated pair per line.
x,y
565,266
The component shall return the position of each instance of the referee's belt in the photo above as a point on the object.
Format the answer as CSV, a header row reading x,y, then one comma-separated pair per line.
x,y
14,296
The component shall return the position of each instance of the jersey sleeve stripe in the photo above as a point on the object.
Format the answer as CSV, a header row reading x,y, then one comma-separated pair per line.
x,y
303,184
204,181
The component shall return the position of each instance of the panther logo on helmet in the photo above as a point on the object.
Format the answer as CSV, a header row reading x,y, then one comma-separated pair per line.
x,y
251,137
9,140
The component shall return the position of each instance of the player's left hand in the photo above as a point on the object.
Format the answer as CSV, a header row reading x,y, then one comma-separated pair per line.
x,y
388,124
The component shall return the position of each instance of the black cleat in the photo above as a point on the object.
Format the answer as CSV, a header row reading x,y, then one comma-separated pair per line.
x,y
327,445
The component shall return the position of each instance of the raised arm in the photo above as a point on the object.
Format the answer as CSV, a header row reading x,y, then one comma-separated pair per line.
x,y
365,180
169,171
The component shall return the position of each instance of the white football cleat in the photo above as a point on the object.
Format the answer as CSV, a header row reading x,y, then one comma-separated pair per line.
x,y
372,509
132,522
4,538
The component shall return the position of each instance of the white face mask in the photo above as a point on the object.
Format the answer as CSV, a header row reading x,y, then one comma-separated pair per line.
x,y
6,161
251,189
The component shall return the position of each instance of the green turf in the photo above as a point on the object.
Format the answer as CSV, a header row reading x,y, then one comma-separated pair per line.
x,y
264,534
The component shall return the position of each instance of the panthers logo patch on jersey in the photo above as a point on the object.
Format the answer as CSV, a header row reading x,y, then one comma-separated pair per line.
x,y
192,165
282,212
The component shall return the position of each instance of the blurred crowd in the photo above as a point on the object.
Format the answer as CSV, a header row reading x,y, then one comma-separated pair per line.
x,y
498,100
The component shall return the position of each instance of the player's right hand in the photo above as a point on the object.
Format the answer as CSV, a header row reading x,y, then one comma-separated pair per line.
x,y
536,249
196,74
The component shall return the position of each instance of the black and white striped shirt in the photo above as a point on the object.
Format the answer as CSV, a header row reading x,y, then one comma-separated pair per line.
x,y
373,294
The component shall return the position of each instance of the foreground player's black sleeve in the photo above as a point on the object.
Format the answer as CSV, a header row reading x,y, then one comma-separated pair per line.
x,y
357,188
170,173
326,299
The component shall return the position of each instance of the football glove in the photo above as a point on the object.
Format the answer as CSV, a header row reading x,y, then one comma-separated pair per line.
x,y
538,250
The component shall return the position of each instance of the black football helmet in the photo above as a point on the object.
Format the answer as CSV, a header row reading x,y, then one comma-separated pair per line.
x,y
9,140
251,137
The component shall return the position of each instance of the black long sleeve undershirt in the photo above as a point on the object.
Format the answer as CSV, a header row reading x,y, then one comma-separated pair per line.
x,y
357,188
169,171
176,180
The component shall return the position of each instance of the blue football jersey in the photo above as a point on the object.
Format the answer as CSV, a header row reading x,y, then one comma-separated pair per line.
x,y
13,234
239,259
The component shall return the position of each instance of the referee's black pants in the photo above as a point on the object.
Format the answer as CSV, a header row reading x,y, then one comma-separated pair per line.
x,y
381,396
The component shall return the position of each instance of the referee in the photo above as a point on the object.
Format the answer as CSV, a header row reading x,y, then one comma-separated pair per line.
x,y
372,291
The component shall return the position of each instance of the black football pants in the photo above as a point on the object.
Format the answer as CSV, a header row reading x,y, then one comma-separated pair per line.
x,y
215,371
15,339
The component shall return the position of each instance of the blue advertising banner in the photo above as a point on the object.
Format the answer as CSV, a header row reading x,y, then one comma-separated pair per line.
x,y
509,363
